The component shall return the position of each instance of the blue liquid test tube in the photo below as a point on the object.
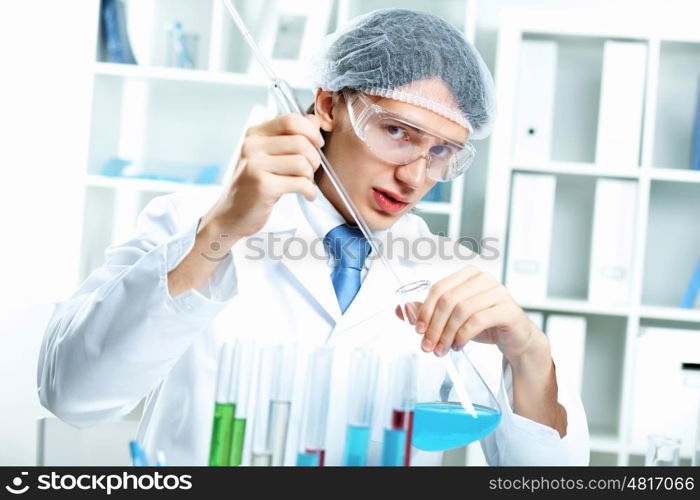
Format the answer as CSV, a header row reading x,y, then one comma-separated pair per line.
x,y
312,442
402,396
363,376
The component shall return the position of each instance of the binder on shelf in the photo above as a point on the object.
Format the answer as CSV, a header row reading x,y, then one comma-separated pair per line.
x,y
696,132
115,33
567,340
692,291
663,401
621,104
537,70
613,241
530,235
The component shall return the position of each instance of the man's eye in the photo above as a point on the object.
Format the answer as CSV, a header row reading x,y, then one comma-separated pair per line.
x,y
396,132
441,151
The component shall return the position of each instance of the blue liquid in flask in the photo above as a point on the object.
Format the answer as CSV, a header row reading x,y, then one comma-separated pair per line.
x,y
443,426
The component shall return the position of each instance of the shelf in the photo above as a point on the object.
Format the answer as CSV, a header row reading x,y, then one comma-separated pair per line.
x,y
576,306
185,75
576,168
675,175
583,307
435,207
146,184
670,313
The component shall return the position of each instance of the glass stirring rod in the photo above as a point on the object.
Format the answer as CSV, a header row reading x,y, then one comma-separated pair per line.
x,y
287,101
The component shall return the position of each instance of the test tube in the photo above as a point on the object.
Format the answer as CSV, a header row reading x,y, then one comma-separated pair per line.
x,y
223,410
281,400
663,451
261,452
239,390
363,375
402,392
313,431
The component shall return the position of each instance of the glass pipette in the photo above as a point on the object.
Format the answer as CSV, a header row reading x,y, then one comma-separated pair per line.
x,y
287,101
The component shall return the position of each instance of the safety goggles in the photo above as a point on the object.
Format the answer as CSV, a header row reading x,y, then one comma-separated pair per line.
x,y
399,141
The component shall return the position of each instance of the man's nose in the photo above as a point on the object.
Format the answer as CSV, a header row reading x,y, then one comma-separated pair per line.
x,y
413,174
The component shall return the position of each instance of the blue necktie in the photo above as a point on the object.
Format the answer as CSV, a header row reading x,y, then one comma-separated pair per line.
x,y
349,248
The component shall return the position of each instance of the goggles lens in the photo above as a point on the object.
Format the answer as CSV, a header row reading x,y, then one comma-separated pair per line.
x,y
398,141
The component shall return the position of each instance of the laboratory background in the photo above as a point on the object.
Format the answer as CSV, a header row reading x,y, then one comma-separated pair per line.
x,y
588,188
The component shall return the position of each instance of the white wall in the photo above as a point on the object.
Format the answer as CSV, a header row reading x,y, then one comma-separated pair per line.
x,y
45,51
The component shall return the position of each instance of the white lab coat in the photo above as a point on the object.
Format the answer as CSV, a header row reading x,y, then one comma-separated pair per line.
x,y
122,337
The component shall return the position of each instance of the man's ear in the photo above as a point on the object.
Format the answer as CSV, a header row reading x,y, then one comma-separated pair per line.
x,y
323,108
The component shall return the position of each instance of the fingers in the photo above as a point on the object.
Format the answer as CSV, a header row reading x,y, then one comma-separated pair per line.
x,y
289,184
437,290
256,146
291,165
444,303
480,322
462,312
290,124
411,311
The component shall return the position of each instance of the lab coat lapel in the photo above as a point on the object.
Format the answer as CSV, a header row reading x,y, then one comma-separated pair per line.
x,y
375,298
311,272
375,295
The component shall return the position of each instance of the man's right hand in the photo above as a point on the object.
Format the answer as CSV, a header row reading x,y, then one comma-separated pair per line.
x,y
277,157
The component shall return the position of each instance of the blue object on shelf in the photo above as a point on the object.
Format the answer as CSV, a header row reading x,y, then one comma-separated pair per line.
x,y
696,132
177,38
693,289
186,173
114,32
435,193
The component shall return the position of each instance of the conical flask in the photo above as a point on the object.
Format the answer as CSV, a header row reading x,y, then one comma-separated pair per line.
x,y
445,420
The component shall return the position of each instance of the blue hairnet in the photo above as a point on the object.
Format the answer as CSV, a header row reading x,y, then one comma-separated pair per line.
x,y
391,52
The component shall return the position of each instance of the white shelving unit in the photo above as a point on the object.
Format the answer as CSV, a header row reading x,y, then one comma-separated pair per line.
x,y
667,240
150,112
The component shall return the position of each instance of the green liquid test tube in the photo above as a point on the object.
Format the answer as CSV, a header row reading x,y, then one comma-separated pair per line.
x,y
224,410
236,440
242,366
221,434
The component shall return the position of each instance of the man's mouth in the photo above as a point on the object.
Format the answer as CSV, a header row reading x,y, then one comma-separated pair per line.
x,y
389,202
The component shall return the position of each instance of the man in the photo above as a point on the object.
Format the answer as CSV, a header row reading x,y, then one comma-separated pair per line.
x,y
400,94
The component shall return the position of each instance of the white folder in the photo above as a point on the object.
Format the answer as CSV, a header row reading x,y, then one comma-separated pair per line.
x,y
530,235
664,400
614,223
537,69
567,339
621,104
